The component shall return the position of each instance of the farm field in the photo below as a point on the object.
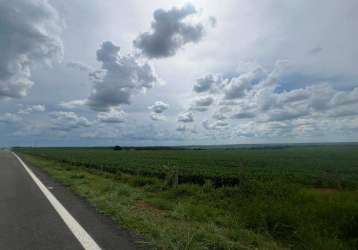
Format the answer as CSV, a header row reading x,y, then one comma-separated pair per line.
x,y
296,197
325,166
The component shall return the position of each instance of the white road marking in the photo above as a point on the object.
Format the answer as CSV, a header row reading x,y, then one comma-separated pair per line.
x,y
79,232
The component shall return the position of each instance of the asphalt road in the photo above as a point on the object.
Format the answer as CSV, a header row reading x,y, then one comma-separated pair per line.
x,y
29,221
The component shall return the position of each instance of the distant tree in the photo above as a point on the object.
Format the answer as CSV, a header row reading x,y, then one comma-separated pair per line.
x,y
117,148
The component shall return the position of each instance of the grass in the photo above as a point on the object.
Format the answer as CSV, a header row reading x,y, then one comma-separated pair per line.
x,y
321,166
259,213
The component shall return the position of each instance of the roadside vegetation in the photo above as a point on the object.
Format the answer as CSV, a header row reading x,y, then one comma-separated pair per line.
x,y
257,203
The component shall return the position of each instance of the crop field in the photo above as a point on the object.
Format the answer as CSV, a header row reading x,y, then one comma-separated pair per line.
x,y
294,197
324,165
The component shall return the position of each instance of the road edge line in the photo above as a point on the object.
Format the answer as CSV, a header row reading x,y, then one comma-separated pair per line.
x,y
77,230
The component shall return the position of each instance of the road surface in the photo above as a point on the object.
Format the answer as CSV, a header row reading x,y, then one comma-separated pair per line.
x,y
30,218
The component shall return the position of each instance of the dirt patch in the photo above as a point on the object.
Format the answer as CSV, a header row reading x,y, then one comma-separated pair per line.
x,y
142,205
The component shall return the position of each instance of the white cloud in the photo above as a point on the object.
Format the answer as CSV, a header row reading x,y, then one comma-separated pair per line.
x,y
9,118
237,86
345,98
186,129
205,83
123,76
73,104
204,101
157,117
79,66
67,121
159,107
185,117
170,31
31,109
30,35
312,95
114,115
264,110
216,125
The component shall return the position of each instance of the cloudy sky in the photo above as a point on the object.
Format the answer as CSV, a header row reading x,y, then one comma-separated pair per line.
x,y
176,72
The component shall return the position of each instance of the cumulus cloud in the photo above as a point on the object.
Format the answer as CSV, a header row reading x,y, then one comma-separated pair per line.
x,y
219,116
236,87
31,109
186,117
73,104
205,83
159,107
216,125
345,98
171,30
267,106
181,128
222,113
157,117
204,101
284,114
67,121
30,32
9,118
78,66
114,115
122,77
233,87
186,129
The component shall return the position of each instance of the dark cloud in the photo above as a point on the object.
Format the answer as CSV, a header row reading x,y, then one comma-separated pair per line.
x,y
243,115
120,78
30,34
315,51
170,31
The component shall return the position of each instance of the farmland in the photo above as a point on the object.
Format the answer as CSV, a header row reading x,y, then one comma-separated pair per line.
x,y
314,165
294,197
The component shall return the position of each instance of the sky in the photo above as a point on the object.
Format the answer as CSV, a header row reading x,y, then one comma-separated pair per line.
x,y
96,73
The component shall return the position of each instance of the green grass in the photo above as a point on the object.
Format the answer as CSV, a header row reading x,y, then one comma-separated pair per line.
x,y
292,198
320,166
168,218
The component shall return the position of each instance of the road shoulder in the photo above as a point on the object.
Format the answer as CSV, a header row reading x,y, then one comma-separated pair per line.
x,y
107,233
